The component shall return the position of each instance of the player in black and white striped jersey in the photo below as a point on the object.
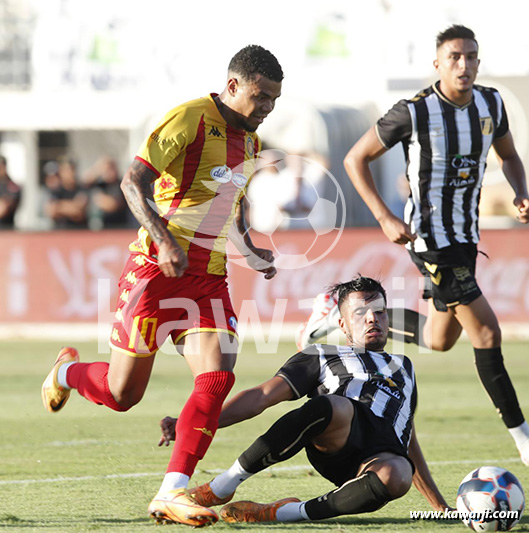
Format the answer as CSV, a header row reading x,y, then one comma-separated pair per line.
x,y
382,382
357,428
446,131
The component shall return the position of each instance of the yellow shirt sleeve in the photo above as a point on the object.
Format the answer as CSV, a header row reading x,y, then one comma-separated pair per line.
x,y
169,139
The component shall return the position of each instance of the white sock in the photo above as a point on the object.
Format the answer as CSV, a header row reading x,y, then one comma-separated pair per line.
x,y
61,374
227,482
292,512
520,434
172,481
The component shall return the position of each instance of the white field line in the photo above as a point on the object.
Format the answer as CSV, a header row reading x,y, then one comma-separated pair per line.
x,y
218,471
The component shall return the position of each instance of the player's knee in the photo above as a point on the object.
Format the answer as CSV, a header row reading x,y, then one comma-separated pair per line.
x,y
317,407
488,336
441,345
126,398
396,475
315,415
364,494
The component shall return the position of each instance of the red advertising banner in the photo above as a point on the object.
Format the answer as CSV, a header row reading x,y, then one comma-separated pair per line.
x,y
72,276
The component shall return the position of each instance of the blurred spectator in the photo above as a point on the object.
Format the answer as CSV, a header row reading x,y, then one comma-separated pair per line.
x,y
67,202
10,194
107,206
51,175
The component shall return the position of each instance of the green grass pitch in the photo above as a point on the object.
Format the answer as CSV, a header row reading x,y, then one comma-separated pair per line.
x,y
90,469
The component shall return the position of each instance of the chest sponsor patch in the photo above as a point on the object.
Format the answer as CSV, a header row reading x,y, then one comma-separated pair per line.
x,y
221,174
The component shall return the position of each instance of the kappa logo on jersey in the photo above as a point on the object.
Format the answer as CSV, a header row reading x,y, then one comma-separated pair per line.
x,y
215,132
239,180
221,174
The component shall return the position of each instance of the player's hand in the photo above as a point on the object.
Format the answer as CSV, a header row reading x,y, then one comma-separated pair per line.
x,y
396,230
172,260
522,205
168,426
262,260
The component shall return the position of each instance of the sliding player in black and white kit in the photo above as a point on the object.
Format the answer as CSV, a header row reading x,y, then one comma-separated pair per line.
x,y
357,428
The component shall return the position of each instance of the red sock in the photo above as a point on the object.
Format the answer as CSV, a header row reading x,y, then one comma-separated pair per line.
x,y
91,381
199,420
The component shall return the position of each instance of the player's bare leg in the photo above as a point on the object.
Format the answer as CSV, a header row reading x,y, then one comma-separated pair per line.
x,y
441,329
209,351
481,325
211,357
128,377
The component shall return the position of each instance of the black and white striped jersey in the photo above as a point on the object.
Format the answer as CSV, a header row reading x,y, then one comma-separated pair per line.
x,y
446,148
384,382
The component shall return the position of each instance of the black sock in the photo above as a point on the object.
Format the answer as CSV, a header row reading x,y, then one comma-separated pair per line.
x,y
290,434
363,494
497,383
410,331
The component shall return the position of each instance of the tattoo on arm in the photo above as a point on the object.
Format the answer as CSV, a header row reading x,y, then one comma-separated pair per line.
x,y
137,189
240,221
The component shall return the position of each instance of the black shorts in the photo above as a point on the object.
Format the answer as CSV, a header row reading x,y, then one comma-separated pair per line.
x,y
369,436
449,275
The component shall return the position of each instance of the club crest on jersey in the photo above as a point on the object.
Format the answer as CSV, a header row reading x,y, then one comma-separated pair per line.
x,y
250,148
233,322
239,180
486,125
221,174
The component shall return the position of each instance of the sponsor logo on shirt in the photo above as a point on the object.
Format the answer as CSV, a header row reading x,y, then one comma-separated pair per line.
x,y
239,180
386,384
463,164
460,161
221,174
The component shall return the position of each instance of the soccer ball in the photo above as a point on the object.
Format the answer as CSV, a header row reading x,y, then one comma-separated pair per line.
x,y
490,498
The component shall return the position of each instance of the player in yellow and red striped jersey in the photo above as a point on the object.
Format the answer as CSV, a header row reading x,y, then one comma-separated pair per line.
x,y
200,159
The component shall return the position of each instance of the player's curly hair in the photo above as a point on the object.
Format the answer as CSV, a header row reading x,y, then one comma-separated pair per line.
x,y
456,31
254,59
357,284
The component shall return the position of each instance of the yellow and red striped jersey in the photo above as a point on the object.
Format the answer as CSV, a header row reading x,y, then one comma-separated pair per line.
x,y
204,166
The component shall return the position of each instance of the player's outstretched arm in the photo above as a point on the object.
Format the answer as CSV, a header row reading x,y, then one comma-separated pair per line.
x,y
422,478
259,259
136,187
356,163
252,402
512,167
244,405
